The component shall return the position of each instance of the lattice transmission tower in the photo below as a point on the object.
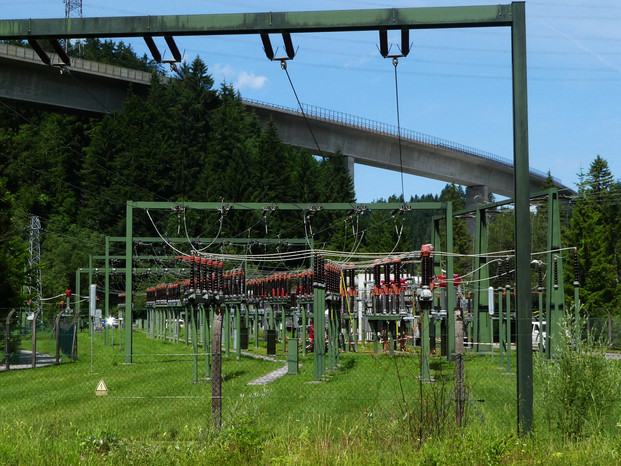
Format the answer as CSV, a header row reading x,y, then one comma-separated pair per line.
x,y
35,290
73,8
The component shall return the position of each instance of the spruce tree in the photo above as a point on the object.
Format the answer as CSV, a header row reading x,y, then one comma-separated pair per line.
x,y
592,232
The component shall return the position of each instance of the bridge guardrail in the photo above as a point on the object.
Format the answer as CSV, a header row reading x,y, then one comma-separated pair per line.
x,y
385,128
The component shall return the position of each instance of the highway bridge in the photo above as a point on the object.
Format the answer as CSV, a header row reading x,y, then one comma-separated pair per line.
x,y
96,88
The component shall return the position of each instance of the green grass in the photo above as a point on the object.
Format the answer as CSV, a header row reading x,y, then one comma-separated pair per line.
x,y
372,410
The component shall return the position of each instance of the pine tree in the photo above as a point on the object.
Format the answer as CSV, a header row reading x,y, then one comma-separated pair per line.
x,y
591,232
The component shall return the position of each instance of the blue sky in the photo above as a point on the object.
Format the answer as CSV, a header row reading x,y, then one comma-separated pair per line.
x,y
455,84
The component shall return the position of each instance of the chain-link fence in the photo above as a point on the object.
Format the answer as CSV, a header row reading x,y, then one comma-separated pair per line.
x,y
168,386
165,388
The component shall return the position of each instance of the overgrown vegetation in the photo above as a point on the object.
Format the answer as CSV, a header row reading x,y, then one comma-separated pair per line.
x,y
580,385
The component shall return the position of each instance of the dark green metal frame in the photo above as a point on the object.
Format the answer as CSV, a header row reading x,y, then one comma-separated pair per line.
x,y
510,15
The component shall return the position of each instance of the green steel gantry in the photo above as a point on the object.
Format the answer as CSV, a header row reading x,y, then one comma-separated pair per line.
x,y
319,296
554,291
510,15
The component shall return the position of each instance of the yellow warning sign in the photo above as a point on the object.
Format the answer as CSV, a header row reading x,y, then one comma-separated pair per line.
x,y
101,389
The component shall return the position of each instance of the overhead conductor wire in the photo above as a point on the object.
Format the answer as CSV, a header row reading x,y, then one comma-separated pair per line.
x,y
395,62
283,65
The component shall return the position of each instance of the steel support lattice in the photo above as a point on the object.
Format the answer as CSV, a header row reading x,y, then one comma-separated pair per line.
x,y
35,289
73,8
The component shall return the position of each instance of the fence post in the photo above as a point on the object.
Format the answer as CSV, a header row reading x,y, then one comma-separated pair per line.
x,y
74,345
34,338
216,374
460,391
609,327
57,330
7,358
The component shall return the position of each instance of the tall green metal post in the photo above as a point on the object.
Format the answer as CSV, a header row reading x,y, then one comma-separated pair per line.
x,y
91,329
107,291
541,309
129,286
256,326
227,330
522,220
302,336
283,316
77,293
192,309
450,288
508,326
482,318
238,331
554,278
501,328
319,305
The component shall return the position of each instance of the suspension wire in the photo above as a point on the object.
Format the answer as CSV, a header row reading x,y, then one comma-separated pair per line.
x,y
306,232
162,237
395,62
283,65
64,69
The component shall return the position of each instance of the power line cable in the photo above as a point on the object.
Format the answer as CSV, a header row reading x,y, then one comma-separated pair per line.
x,y
283,65
395,62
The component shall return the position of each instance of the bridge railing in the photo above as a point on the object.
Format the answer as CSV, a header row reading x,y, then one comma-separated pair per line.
x,y
384,128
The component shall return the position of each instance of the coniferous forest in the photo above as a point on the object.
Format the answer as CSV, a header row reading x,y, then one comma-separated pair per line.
x,y
193,140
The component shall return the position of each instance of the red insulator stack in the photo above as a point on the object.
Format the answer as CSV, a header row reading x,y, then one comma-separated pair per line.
x,y
377,277
351,272
220,270
192,275
228,289
316,269
396,288
151,296
386,286
426,264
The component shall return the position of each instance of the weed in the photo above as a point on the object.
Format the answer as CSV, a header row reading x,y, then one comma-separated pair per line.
x,y
579,384
101,444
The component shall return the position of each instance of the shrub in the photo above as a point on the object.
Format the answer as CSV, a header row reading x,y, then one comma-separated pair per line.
x,y
579,385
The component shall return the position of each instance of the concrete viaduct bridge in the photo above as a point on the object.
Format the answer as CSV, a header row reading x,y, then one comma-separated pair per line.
x,y
97,88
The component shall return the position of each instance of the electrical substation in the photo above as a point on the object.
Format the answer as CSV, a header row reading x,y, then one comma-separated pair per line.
x,y
221,296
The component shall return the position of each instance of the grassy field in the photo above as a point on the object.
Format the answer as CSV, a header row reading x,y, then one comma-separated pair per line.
x,y
371,410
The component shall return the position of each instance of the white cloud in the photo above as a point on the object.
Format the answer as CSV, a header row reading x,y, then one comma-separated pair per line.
x,y
247,80
241,79
223,73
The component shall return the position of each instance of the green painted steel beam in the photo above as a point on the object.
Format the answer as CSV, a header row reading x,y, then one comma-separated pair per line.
x,y
215,206
144,258
157,239
540,195
121,270
256,23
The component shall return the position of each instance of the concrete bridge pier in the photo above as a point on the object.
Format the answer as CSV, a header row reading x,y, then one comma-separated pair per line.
x,y
349,164
475,195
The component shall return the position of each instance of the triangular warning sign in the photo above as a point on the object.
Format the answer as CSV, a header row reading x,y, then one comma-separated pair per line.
x,y
101,389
